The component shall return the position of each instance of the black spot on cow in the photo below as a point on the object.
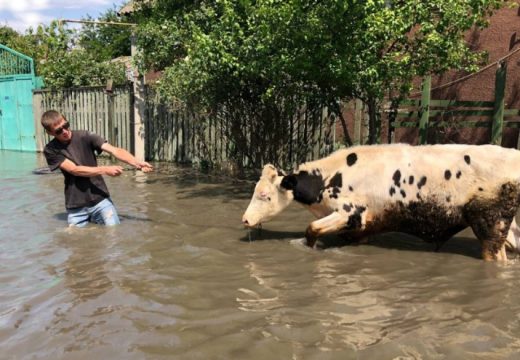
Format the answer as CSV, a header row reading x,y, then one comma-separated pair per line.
x,y
335,184
351,159
480,189
392,191
467,159
459,174
336,180
403,193
351,188
447,174
347,207
354,220
418,195
397,178
421,182
410,180
448,198
307,188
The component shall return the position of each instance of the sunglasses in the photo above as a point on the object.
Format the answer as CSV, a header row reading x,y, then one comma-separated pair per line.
x,y
59,130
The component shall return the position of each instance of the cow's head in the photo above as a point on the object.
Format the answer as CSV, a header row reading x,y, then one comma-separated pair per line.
x,y
269,198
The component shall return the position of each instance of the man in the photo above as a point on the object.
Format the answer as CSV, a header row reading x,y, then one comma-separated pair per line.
x,y
74,151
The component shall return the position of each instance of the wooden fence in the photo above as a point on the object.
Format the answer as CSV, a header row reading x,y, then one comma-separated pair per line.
x,y
185,137
216,139
107,113
433,117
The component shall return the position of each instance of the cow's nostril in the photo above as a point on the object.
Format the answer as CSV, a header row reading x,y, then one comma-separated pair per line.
x,y
245,222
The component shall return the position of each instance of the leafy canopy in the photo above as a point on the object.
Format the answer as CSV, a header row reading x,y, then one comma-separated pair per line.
x,y
67,58
215,50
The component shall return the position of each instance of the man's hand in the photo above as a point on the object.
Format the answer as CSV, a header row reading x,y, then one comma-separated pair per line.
x,y
143,166
114,170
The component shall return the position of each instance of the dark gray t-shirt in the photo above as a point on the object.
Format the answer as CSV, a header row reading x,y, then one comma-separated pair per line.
x,y
79,191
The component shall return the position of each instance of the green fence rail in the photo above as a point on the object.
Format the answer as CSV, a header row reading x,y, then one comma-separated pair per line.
x,y
431,115
14,63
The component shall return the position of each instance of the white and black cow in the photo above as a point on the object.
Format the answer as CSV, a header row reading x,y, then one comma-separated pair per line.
x,y
431,191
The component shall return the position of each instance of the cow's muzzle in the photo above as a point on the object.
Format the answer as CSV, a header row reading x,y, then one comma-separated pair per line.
x,y
248,224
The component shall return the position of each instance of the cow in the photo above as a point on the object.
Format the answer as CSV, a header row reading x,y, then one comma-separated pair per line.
x,y
429,191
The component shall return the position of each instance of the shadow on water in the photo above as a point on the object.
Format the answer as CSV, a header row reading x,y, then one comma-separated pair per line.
x,y
266,235
60,216
463,244
213,185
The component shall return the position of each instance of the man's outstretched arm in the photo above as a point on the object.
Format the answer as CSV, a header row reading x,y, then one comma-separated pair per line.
x,y
125,156
88,171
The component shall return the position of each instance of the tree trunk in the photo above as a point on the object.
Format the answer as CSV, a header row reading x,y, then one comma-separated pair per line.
x,y
374,121
347,140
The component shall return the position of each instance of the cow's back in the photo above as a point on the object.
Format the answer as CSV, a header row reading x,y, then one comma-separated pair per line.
x,y
451,174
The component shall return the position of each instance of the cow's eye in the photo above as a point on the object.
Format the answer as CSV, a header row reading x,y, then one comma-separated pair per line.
x,y
264,196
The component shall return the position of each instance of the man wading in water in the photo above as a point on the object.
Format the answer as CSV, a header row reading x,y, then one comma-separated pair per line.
x,y
74,152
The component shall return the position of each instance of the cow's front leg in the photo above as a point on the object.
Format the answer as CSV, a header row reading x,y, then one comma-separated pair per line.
x,y
354,220
327,225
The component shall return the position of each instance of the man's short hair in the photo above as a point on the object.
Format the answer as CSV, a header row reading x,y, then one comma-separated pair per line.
x,y
51,117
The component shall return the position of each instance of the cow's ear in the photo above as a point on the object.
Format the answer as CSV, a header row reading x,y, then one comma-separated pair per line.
x,y
269,172
289,182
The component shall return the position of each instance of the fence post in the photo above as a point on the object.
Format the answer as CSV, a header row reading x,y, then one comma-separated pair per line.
x,y
110,114
498,108
139,107
37,111
425,110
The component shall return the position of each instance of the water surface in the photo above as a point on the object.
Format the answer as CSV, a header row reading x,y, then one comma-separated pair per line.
x,y
179,279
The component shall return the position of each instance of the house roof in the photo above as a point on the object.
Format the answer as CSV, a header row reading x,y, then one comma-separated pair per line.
x,y
130,7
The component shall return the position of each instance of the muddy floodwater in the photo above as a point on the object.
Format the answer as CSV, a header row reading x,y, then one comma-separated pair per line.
x,y
180,279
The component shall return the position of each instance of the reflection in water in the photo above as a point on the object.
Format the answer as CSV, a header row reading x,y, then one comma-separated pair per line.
x,y
180,279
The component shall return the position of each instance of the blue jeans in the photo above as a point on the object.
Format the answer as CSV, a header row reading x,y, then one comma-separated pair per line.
x,y
103,213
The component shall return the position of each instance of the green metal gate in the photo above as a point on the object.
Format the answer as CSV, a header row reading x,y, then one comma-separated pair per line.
x,y
17,80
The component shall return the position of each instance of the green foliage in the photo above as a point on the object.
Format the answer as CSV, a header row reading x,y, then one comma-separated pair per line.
x,y
268,50
8,36
104,41
262,60
68,58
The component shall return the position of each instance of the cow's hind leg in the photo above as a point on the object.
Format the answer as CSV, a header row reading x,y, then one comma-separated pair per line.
x,y
491,220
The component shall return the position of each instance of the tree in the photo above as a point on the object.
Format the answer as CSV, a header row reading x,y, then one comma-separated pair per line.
x,y
106,42
59,59
263,59
8,36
